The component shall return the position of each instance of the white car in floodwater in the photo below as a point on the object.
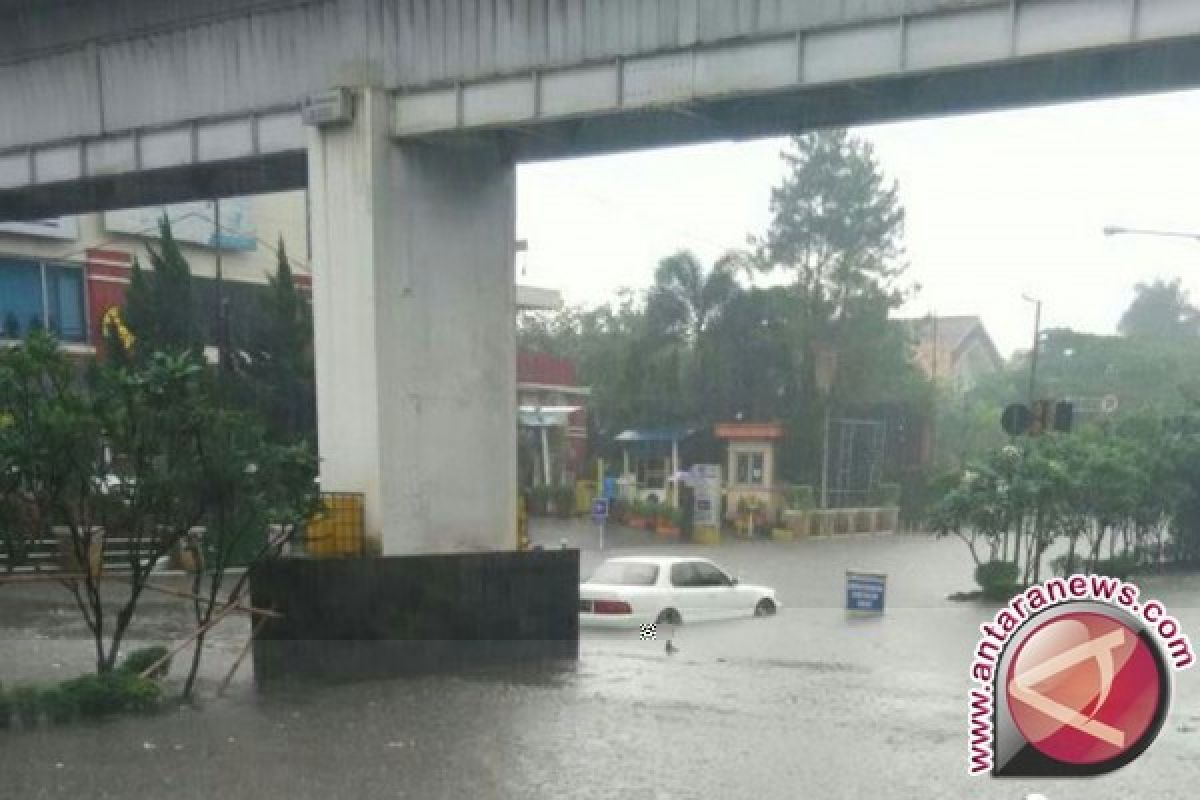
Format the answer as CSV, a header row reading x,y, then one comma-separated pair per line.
x,y
668,590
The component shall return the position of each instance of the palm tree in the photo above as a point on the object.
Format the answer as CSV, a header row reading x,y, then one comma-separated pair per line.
x,y
685,297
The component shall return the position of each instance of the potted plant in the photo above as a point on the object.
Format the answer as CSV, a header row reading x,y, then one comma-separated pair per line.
x,y
798,514
564,501
666,521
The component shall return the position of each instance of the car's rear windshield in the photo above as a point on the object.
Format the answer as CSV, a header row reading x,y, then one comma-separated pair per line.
x,y
625,573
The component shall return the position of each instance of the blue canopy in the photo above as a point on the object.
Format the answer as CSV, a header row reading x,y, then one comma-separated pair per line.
x,y
654,434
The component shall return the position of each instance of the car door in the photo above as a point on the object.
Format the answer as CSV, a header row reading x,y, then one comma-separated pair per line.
x,y
687,594
720,596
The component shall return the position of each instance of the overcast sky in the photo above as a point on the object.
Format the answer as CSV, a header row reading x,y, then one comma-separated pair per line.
x,y
998,204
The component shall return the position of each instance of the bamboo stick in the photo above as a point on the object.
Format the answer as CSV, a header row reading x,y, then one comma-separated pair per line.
x,y
47,577
220,615
240,606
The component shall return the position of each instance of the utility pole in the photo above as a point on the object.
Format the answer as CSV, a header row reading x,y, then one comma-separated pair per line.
x,y
934,371
222,302
825,458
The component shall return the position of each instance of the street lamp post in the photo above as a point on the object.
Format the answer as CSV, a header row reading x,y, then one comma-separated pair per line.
x,y
1037,338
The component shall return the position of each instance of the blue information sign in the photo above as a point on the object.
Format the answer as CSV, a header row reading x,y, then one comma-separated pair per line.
x,y
865,591
599,510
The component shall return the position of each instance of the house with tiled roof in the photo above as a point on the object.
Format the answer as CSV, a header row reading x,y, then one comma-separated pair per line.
x,y
954,351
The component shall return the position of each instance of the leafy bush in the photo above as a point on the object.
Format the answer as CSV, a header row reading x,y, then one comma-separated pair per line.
x,y
5,709
111,693
801,498
139,661
997,579
58,704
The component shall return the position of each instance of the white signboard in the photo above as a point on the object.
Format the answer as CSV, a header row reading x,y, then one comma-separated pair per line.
x,y
706,485
56,228
192,223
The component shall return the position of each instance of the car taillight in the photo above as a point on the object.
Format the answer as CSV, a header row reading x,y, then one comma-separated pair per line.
x,y
611,607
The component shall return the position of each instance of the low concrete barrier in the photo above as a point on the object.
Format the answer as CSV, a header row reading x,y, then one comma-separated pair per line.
x,y
379,617
834,521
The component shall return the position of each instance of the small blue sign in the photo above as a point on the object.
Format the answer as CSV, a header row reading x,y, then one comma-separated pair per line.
x,y
865,591
599,510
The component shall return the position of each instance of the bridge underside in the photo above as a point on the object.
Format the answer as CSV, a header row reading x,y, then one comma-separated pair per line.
x,y
1138,69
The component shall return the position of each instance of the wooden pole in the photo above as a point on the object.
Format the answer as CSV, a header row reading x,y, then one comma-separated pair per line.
x,y
258,626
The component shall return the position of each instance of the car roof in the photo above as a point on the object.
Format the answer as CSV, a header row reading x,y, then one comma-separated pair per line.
x,y
662,561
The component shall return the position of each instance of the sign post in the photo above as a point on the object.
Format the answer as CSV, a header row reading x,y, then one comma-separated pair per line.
x,y
600,515
865,591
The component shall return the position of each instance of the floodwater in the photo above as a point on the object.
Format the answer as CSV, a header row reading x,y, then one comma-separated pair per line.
x,y
810,703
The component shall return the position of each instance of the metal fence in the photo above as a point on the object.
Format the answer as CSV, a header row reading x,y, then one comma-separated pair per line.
x,y
338,530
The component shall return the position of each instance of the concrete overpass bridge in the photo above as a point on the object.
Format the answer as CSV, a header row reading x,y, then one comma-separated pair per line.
x,y
115,103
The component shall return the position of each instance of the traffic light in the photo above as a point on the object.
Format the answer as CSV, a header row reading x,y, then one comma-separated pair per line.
x,y
1040,421
1043,416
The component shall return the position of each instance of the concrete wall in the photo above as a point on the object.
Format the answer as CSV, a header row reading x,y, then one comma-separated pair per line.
x,y
378,617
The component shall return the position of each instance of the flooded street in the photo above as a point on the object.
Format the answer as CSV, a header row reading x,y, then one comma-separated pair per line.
x,y
809,703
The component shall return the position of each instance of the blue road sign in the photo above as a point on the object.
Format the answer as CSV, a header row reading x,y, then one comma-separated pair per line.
x,y
865,591
599,510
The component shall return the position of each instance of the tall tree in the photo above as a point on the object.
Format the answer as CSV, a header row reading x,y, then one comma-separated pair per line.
x,y
1161,310
281,357
159,306
837,231
837,225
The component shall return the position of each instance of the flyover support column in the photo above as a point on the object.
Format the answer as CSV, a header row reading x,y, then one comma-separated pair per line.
x,y
415,343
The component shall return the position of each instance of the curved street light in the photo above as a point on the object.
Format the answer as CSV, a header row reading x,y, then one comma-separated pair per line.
x,y
1119,230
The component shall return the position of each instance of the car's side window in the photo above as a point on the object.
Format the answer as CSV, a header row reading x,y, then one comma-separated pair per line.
x,y
708,575
684,575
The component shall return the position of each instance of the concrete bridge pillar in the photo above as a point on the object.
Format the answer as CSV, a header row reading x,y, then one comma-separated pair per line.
x,y
413,300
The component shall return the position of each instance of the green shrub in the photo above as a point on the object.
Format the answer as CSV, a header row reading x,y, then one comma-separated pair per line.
x,y
5,709
141,660
997,579
26,705
801,498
